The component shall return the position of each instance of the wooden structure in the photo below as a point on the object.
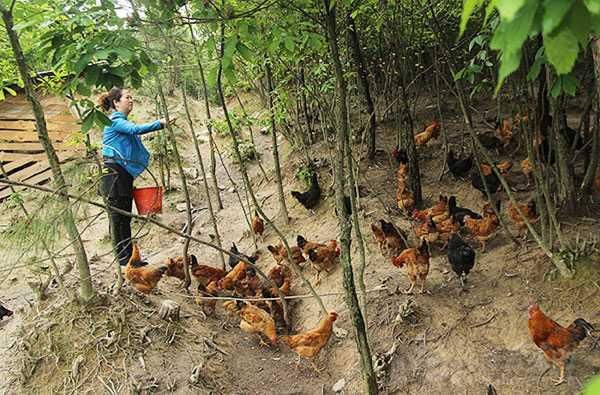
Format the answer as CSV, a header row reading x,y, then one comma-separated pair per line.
x,y
21,153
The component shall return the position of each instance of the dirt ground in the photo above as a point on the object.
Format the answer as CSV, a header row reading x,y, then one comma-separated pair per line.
x,y
454,342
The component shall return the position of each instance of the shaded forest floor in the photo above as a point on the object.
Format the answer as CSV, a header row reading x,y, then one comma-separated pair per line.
x,y
454,342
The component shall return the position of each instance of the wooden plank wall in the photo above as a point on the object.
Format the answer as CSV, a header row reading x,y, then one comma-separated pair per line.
x,y
21,153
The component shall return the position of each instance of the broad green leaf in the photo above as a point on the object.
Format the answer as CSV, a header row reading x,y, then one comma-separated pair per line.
x,y
469,6
245,52
579,22
510,35
593,6
102,119
569,84
561,50
509,63
556,88
10,91
508,8
91,75
211,78
554,13
540,59
289,43
88,121
2,97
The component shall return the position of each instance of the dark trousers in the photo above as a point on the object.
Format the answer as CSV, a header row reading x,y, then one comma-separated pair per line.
x,y
117,187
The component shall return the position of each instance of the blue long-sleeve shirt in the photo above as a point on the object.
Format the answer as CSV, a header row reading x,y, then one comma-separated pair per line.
x,y
121,141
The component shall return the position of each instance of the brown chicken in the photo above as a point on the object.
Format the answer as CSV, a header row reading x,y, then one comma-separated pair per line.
x,y
402,173
280,254
324,257
279,276
175,266
205,274
306,245
405,199
431,132
309,343
237,274
527,170
249,286
390,240
417,265
438,212
446,229
426,230
258,225
556,341
504,166
504,131
485,228
529,211
142,278
256,320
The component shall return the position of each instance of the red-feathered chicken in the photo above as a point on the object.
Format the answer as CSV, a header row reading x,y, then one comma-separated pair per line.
x,y
417,264
142,277
555,341
431,132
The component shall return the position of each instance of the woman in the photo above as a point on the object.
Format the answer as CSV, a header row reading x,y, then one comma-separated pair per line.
x,y
125,158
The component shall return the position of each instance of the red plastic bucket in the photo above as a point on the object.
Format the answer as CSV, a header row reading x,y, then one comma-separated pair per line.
x,y
148,200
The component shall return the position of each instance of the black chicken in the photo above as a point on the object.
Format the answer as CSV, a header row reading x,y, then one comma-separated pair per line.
x,y
459,167
490,141
233,261
310,198
400,155
461,257
492,181
4,312
459,213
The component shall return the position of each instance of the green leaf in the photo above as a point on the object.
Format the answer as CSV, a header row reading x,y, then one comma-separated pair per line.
x,y
556,88
10,91
469,6
540,59
245,52
88,121
211,78
569,84
580,23
593,6
508,8
509,62
554,13
91,75
101,119
289,43
593,386
561,49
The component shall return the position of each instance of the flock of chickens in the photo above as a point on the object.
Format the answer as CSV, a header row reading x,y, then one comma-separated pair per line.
x,y
259,313
439,225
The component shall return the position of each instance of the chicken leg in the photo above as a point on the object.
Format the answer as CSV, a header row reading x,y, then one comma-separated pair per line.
x,y
561,379
409,290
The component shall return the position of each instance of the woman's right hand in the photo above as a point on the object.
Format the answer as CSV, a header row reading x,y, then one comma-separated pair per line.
x,y
163,121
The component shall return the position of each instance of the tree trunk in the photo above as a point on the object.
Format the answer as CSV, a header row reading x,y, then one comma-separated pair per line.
x,y
85,278
270,93
211,141
363,85
211,211
307,115
343,216
590,172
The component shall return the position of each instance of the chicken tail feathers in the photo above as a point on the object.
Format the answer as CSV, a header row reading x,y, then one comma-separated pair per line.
x,y
581,329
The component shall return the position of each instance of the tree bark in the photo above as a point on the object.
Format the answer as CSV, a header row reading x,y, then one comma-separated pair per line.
x,y
85,278
270,93
343,216
590,172
211,141
363,86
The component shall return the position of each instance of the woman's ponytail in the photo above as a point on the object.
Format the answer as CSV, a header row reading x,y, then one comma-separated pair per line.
x,y
106,100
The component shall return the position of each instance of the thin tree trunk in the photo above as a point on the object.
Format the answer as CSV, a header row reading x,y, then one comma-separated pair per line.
x,y
590,171
270,93
211,211
248,185
85,278
211,141
363,85
307,115
186,192
345,225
